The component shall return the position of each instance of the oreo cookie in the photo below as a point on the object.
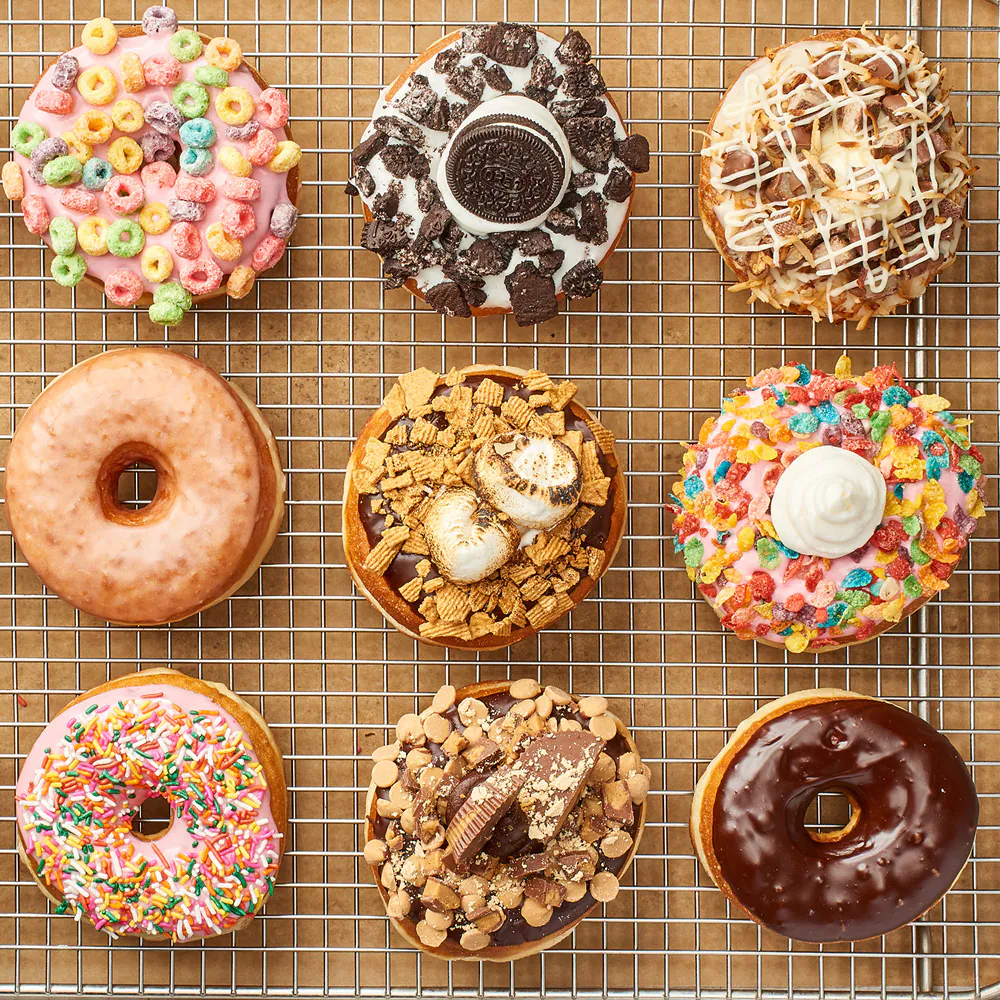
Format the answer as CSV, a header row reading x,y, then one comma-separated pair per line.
x,y
497,78
593,219
618,186
634,153
446,297
510,44
532,295
399,128
592,141
582,280
574,49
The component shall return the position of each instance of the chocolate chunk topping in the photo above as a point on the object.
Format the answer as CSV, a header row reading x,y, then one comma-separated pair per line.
x,y
574,49
828,66
399,128
435,221
634,153
549,261
467,82
496,77
533,242
532,295
446,297
582,280
486,257
446,60
367,148
589,107
618,186
510,44
737,161
561,222
397,159
591,140
593,219
382,236
898,108
583,81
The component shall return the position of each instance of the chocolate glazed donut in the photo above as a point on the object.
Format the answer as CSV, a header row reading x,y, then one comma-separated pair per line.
x,y
913,817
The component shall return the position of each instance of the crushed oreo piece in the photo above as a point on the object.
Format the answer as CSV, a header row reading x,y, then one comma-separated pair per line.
x,y
561,222
542,71
458,270
382,236
420,166
365,182
486,257
397,159
583,81
447,298
570,200
473,35
350,190
474,296
549,261
574,49
586,107
497,78
468,82
532,295
540,95
510,44
592,141
446,60
457,113
386,205
593,219
582,280
367,148
422,104
583,179
435,221
634,153
427,194
451,238
399,128
618,186
533,242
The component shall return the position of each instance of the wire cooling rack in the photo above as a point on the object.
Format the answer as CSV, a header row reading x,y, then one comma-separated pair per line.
x,y
317,346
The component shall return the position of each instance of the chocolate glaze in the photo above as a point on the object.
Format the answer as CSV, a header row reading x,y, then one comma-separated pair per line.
x,y
515,929
917,816
403,568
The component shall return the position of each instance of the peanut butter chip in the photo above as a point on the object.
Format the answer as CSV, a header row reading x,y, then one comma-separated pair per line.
x,y
557,695
474,940
629,763
604,887
385,774
376,852
439,921
389,752
537,914
615,844
524,708
444,699
437,728
472,710
575,891
593,706
525,687
417,758
543,706
409,729
604,726
430,936
638,787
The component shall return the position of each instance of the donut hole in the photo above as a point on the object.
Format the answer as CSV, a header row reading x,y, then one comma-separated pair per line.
x,y
137,485
831,815
152,819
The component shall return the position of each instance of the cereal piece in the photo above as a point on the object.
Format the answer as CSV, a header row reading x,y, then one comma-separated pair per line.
x,y
127,115
185,211
284,216
163,117
288,155
13,181
157,264
62,235
269,251
262,147
238,220
165,313
100,35
92,235
65,72
241,188
125,155
199,189
187,241
130,70
221,245
234,106
125,238
55,102
68,270
162,70
97,173
75,147
198,132
235,162
97,85
175,294
156,147
211,76
272,108
190,98
154,218
124,195
196,162
48,149
158,174
94,127
186,45
224,53
158,21
240,281
63,171
242,132
25,136
123,287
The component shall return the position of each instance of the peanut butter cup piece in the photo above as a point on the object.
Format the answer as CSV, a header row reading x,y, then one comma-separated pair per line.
x,y
476,819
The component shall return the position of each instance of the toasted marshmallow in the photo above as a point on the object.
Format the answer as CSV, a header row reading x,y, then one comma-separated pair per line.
x,y
535,481
468,539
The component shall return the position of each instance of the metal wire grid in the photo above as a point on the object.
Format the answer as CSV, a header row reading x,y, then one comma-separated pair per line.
x,y
317,347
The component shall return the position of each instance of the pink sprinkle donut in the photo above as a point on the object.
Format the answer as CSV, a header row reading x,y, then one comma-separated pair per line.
x,y
124,194
159,174
162,70
241,188
269,251
199,189
187,240
262,147
36,215
238,220
123,287
201,276
272,108
79,200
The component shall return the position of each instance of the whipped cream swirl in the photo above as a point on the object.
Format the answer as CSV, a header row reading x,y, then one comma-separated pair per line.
x,y
828,502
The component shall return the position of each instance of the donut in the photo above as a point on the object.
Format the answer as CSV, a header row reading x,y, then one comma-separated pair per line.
x,y
219,495
913,817
154,118
817,510
481,506
501,816
833,178
496,175
158,733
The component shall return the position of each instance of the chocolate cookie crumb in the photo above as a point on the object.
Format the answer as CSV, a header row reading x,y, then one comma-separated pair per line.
x,y
570,200
497,78
542,71
468,82
446,60
549,261
532,295
589,107
365,182
583,81
486,257
582,280
592,141
382,236
510,44
583,179
427,193
533,242
398,128
634,153
397,159
386,205
446,297
367,148
435,221
593,219
574,49
350,190
561,222
618,186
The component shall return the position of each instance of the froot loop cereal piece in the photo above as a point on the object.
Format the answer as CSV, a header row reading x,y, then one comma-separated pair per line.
x,y
36,215
196,162
162,70
262,147
62,235
191,99
92,235
97,85
123,287
224,53
269,251
97,173
65,72
234,106
159,174
75,147
25,136
241,188
154,218
175,294
235,162
198,132
163,117
185,211
159,21
124,195
202,276
166,313
287,156
283,220
127,115
238,220
13,181
243,132
68,270
156,147
211,76
131,72
78,200
186,240
221,245
125,238
186,45
94,127
195,189
272,108
48,149
240,281
100,36
62,171
55,102
125,155
157,264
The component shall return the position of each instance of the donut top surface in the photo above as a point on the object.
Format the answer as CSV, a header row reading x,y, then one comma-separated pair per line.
x,y
916,815
506,167
502,818
158,158
436,426
89,772
760,587
837,178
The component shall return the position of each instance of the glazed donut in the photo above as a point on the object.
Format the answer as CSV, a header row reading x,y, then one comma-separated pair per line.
x,y
158,163
219,495
913,817
818,511
481,506
833,178
501,816
158,733
496,175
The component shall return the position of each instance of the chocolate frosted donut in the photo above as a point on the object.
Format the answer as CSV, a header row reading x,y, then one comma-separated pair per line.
x,y
913,818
